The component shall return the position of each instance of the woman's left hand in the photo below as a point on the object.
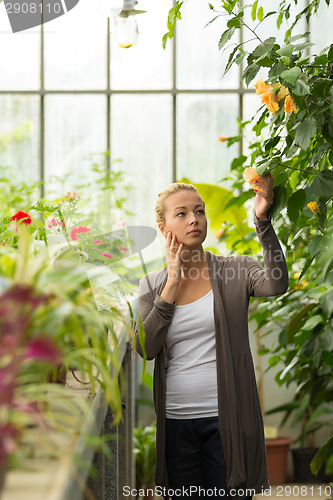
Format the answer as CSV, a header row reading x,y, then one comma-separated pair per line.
x,y
264,198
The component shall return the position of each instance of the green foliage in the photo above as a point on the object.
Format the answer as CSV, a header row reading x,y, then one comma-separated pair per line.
x,y
144,442
79,322
174,14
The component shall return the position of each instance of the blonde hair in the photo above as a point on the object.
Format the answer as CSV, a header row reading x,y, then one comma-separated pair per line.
x,y
172,188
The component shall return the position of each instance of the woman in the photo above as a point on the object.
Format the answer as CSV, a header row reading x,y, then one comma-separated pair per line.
x,y
194,313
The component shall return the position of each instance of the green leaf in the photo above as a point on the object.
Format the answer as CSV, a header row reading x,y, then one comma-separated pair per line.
x,y
326,339
254,10
315,245
274,360
276,70
328,358
320,457
323,184
312,322
298,37
250,73
279,20
263,48
279,201
295,204
164,40
260,14
234,23
225,37
291,75
237,162
296,321
211,21
305,132
301,86
287,50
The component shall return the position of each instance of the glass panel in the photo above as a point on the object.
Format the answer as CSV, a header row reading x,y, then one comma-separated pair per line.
x,y
268,28
201,119
145,65
252,107
321,28
75,49
75,127
19,135
20,56
199,62
141,137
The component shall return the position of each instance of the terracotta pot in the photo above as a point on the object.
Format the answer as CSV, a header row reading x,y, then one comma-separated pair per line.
x,y
277,453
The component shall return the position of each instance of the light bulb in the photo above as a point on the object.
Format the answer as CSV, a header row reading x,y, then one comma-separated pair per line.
x,y
126,31
111,8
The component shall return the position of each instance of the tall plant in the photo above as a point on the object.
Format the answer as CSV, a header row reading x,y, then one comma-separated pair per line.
x,y
293,139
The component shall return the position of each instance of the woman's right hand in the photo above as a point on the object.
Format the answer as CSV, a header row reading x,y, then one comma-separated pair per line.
x,y
175,272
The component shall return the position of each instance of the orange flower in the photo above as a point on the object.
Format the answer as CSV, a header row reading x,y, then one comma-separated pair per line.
x,y
262,87
250,175
283,92
271,95
223,138
312,205
270,101
289,105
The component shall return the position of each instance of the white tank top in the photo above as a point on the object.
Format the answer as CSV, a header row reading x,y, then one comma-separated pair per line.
x,y
191,381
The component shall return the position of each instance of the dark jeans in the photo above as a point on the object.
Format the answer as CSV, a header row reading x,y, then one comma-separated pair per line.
x,y
195,460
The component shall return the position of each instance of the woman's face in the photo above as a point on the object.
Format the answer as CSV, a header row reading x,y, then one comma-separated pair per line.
x,y
185,216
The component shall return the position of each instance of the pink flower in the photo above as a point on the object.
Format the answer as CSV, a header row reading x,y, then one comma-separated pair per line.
x,y
77,230
98,242
43,350
55,223
122,223
123,249
21,217
104,254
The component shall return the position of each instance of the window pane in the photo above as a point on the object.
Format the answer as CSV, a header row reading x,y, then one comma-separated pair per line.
x,y
268,28
201,119
141,138
20,56
75,127
19,135
199,62
321,28
145,65
75,49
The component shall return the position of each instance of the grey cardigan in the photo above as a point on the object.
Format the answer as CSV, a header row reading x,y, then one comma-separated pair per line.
x,y
234,280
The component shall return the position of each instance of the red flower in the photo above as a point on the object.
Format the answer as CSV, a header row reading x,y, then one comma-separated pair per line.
x,y
105,254
77,230
21,217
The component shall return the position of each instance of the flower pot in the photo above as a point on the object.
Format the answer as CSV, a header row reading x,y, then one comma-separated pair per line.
x,y
302,457
277,453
